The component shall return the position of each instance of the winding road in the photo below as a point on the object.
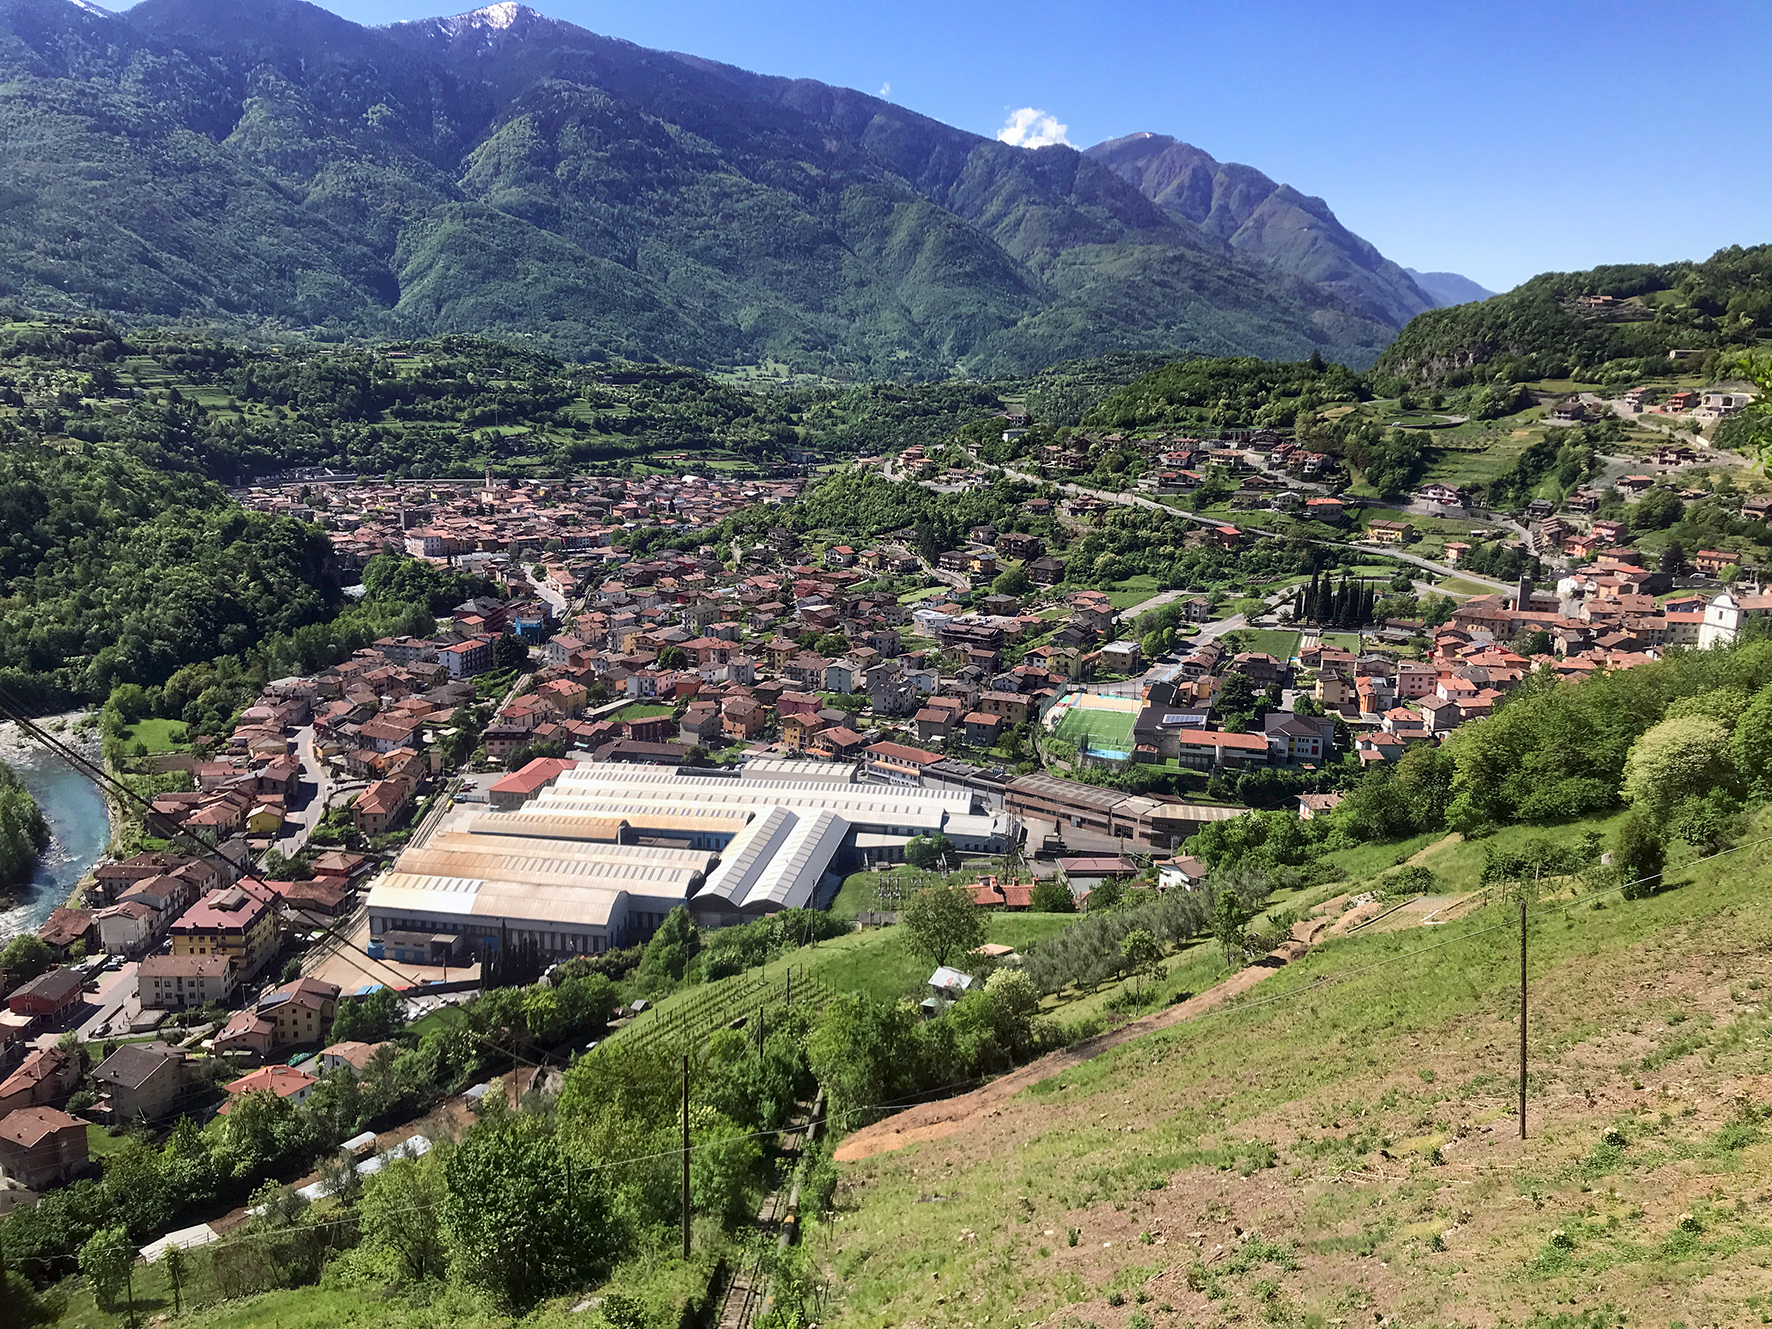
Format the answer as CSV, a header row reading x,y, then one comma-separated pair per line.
x,y
1140,501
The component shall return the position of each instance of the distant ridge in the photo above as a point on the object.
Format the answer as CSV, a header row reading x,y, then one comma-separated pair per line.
x,y
1252,215
1448,288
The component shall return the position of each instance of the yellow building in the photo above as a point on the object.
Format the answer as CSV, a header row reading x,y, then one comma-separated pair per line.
x,y
232,922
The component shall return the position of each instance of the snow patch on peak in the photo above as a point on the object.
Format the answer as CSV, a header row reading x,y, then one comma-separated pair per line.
x,y
91,8
502,15
484,23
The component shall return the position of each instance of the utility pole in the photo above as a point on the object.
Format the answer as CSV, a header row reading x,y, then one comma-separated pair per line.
x,y
1537,878
1522,1017
685,1155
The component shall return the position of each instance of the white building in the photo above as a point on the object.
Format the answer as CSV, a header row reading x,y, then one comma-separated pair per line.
x,y
599,858
1725,614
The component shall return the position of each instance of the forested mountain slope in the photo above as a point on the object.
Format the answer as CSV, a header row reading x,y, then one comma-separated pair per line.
x,y
266,164
1249,212
1576,324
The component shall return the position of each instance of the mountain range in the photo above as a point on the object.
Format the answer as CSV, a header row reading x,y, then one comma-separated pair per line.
x,y
267,165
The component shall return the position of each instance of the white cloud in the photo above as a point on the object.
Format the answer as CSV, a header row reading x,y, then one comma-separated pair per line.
x,y
885,90
1031,128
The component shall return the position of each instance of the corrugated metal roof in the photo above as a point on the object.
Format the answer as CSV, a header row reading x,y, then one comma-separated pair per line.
x,y
746,858
797,868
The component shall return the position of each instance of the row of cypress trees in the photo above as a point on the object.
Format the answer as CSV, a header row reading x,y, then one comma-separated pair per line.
x,y
1348,605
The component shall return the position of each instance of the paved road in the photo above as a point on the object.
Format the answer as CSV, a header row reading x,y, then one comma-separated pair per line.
x,y
316,786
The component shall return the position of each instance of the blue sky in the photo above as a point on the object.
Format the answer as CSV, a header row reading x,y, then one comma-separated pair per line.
x,y
1493,139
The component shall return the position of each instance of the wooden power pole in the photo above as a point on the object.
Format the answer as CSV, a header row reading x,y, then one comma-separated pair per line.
x,y
685,1155
1537,878
1522,1017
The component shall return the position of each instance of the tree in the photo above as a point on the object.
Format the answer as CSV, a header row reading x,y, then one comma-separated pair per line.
x,y
510,651
927,851
520,1226
1105,895
1237,695
105,1259
1656,510
668,954
24,957
1230,923
402,1211
673,657
370,1019
178,1266
1012,581
1675,760
1673,559
723,1172
1142,955
1052,897
942,923
1751,743
1640,856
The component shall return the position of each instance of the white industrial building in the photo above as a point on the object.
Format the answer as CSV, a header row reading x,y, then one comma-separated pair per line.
x,y
599,859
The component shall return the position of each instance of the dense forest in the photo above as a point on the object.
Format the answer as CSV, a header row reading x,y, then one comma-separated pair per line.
x,y
23,831
1224,393
117,565
282,172
452,405
1614,323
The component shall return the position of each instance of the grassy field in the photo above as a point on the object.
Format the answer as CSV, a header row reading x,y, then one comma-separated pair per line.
x,y
156,735
1132,591
1110,730
1277,642
1463,586
1338,1147
642,711
912,597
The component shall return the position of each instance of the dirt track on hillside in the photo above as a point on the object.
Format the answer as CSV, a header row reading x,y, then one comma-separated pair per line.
x,y
932,1121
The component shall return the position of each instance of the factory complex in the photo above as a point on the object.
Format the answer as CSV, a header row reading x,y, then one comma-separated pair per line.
x,y
600,855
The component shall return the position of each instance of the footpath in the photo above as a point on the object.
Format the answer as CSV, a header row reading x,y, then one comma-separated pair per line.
x,y
932,1121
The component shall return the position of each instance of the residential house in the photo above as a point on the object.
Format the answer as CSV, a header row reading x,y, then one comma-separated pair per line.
x,y
1294,739
302,1011
838,743
982,729
353,1056
45,1077
287,1082
179,982
1187,874
141,1082
381,807
742,718
42,1147
48,996
234,922
127,929
247,1031
1311,806
1384,532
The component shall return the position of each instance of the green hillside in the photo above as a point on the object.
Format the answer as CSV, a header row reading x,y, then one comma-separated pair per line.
x,y
1340,1147
1610,324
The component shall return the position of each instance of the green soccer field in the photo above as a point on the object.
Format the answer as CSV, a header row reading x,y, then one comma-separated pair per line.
x,y
1110,730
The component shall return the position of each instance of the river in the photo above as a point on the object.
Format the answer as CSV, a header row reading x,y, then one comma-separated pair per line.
x,y
78,823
